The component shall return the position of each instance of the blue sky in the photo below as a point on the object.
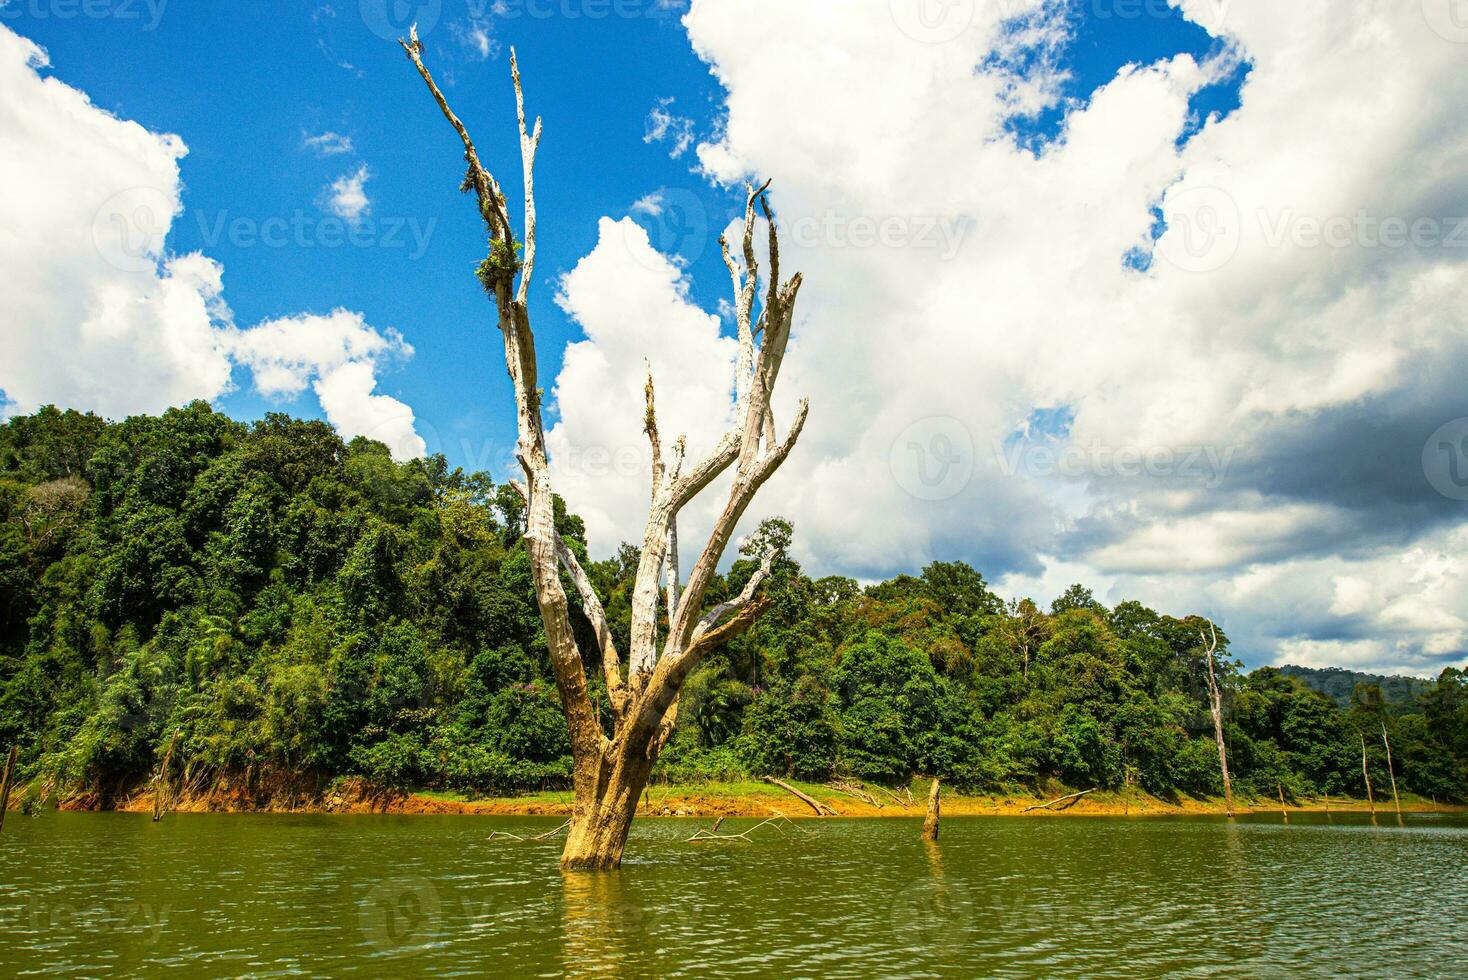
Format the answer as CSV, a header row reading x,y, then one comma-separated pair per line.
x,y
276,73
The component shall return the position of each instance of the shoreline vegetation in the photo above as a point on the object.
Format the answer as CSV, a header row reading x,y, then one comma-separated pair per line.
x,y
732,799
265,617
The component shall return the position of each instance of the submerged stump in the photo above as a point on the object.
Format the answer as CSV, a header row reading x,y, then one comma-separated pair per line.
x,y
930,822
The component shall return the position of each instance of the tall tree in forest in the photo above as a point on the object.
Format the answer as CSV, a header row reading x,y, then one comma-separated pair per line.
x,y
1215,705
609,773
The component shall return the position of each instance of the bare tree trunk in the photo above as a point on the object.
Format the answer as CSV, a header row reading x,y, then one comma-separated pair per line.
x,y
5,783
610,773
1366,773
1215,703
1282,811
1389,771
930,822
161,798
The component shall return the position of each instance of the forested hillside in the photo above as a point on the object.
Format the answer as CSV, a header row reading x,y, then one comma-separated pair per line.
x,y
300,609
1401,695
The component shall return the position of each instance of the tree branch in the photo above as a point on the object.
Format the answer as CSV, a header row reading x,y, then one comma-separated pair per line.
x,y
528,145
491,201
588,743
711,618
595,613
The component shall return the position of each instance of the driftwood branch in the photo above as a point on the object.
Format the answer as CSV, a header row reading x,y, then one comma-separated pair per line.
x,y
506,835
1059,799
897,799
856,792
820,808
712,834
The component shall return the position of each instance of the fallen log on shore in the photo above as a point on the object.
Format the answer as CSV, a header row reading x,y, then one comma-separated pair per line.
x,y
1059,799
822,810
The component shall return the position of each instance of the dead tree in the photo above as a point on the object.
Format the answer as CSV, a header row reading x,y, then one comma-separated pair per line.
x,y
821,809
1071,798
5,782
1366,773
930,822
1387,742
1025,630
1215,704
610,773
162,796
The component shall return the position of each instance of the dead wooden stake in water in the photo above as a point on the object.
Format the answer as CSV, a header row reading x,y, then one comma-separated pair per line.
x,y
1366,773
1387,742
5,783
930,823
1282,811
160,791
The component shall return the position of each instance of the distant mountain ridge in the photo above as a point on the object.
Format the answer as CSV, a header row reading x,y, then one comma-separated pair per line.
x,y
1337,684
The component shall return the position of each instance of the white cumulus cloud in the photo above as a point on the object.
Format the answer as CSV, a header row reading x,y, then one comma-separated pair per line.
x,y
98,315
347,198
1249,396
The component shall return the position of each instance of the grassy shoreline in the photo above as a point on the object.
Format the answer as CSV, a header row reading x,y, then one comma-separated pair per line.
x,y
741,799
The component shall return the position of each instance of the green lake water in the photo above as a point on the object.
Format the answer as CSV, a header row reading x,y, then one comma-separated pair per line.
x,y
275,895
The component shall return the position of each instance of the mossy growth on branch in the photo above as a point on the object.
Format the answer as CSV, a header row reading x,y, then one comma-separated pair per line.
x,y
501,264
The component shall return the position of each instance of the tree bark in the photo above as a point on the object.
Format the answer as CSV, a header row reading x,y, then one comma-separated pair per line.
x,y
1215,703
1366,773
930,822
810,801
1059,799
161,796
5,782
611,773
1389,771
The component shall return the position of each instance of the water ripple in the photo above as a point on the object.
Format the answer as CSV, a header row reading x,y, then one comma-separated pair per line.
x,y
281,896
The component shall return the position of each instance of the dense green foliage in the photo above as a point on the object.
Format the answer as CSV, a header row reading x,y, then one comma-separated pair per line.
x,y
299,609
